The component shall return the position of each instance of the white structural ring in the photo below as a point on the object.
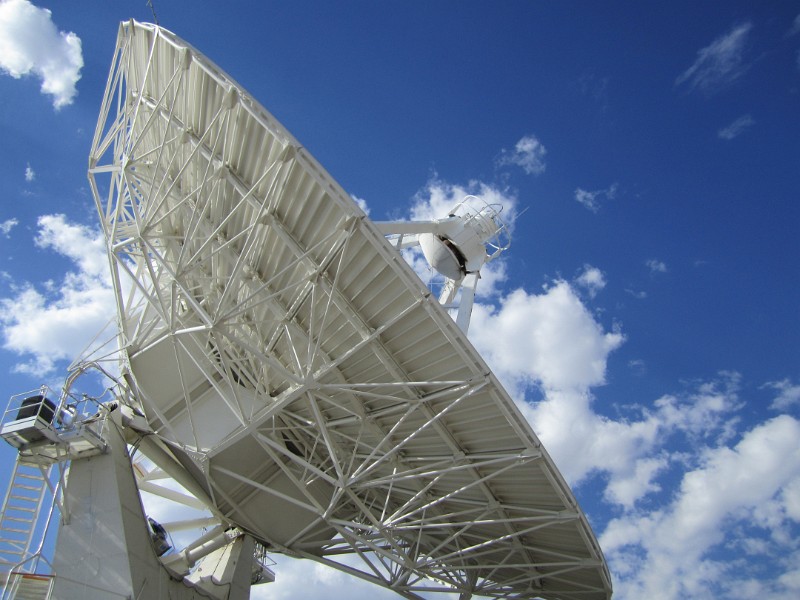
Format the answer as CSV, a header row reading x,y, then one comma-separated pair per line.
x,y
294,364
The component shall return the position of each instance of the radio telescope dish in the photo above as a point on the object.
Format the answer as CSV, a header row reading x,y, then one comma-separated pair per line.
x,y
294,371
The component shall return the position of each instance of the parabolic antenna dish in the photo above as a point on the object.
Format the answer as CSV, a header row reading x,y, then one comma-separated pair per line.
x,y
295,369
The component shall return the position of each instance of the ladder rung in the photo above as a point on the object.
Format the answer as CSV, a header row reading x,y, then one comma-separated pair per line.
x,y
12,530
16,519
21,486
28,481
14,547
26,498
31,506
25,476
26,509
13,542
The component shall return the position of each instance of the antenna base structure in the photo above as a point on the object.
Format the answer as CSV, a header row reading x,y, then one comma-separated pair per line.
x,y
75,470
456,247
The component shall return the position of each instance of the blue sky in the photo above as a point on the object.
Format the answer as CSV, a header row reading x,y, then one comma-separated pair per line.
x,y
647,316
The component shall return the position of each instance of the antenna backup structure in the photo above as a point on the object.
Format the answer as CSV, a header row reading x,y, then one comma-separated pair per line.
x,y
279,359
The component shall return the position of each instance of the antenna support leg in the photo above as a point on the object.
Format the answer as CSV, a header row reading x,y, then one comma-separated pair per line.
x,y
105,550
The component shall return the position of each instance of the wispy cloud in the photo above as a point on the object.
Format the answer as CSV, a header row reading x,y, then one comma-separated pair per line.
x,y
656,266
637,366
592,200
30,174
638,294
7,225
528,153
736,128
718,64
595,88
31,44
795,26
788,394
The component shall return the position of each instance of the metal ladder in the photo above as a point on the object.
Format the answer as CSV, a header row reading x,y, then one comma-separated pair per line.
x,y
28,586
19,517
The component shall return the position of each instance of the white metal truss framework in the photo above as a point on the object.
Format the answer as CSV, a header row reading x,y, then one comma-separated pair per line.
x,y
293,366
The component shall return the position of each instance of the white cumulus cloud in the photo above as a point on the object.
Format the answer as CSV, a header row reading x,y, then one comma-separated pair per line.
x,y
528,153
30,174
630,452
550,352
591,279
362,204
31,44
549,338
307,579
50,326
748,485
437,198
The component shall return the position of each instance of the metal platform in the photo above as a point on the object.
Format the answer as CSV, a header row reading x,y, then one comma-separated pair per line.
x,y
47,431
